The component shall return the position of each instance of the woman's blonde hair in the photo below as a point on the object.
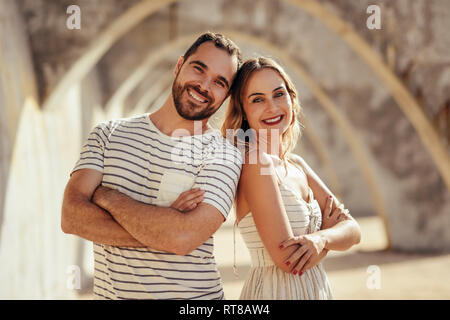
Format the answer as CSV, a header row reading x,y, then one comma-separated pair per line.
x,y
235,116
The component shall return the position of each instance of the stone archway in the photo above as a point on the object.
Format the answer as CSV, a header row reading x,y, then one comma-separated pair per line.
x,y
404,99
343,124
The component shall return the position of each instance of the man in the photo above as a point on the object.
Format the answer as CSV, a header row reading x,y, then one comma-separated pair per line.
x,y
129,173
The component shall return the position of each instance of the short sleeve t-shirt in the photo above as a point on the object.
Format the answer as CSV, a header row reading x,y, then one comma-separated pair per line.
x,y
149,166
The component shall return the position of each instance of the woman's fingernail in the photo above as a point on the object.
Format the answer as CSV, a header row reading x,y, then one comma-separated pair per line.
x,y
295,272
288,263
281,246
300,273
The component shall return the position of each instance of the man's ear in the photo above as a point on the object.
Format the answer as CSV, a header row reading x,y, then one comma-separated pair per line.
x,y
178,66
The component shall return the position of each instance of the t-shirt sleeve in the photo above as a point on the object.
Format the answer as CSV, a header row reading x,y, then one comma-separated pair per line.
x,y
219,177
92,152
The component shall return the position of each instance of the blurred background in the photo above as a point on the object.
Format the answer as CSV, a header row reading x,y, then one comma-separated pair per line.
x,y
374,83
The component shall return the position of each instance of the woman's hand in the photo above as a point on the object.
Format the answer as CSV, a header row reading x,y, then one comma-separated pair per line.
x,y
188,200
331,218
311,252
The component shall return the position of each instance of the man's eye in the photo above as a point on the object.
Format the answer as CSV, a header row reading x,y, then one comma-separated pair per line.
x,y
198,69
221,84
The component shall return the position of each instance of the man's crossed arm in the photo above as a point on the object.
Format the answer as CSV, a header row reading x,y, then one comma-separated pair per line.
x,y
109,217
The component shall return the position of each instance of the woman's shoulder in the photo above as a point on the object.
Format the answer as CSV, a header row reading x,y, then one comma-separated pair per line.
x,y
298,160
254,158
257,167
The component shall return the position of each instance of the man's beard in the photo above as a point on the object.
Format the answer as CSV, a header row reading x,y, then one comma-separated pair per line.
x,y
187,109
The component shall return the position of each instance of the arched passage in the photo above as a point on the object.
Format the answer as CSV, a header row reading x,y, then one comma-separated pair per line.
x,y
404,99
114,107
344,126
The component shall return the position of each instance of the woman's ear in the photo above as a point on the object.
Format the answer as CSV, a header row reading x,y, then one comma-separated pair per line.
x,y
178,66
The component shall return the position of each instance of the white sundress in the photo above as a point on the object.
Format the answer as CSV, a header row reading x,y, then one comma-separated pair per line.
x,y
265,281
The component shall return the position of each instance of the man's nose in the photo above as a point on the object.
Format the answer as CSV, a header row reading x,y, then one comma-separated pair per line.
x,y
205,85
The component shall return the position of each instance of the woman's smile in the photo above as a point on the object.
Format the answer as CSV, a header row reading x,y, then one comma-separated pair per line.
x,y
273,120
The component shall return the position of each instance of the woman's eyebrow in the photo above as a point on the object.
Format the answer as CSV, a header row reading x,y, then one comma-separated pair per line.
x,y
261,94
255,94
280,87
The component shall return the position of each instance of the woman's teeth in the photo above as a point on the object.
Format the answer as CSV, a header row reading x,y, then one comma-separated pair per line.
x,y
272,120
196,97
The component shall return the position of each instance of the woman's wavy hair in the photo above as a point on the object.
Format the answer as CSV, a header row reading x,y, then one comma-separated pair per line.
x,y
235,117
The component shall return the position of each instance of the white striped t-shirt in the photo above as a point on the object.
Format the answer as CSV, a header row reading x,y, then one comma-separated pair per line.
x,y
149,166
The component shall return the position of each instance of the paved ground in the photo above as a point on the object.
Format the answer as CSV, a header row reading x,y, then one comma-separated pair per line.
x,y
366,271
401,275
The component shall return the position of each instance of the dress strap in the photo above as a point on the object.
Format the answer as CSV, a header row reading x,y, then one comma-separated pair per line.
x,y
280,181
235,270
278,177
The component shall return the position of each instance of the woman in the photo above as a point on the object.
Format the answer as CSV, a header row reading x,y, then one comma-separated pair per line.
x,y
286,215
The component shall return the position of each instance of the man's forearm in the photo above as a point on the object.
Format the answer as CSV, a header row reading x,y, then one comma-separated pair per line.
x,y
87,220
342,236
157,227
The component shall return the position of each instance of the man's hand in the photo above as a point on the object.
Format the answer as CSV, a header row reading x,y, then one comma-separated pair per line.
x,y
161,228
185,202
188,200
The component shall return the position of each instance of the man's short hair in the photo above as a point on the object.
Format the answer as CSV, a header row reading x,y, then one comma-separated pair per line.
x,y
220,41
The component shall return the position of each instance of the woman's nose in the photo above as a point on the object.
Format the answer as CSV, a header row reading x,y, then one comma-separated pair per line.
x,y
271,105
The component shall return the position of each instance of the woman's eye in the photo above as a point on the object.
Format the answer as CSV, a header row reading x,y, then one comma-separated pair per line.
x,y
279,94
257,100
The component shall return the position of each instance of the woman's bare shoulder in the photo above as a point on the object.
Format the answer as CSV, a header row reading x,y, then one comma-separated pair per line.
x,y
255,160
297,160
257,172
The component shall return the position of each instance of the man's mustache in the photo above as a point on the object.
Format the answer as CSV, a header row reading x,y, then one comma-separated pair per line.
x,y
199,91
